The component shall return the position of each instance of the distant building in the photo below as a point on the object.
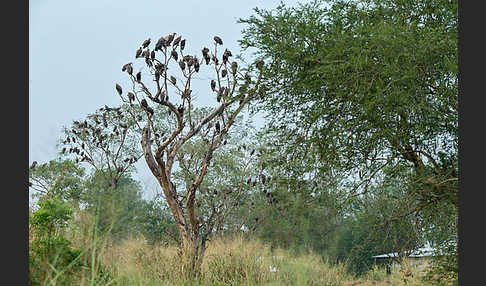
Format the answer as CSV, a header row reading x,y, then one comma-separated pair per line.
x,y
417,258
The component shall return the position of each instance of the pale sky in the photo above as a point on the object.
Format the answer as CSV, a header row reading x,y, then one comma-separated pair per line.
x,y
77,49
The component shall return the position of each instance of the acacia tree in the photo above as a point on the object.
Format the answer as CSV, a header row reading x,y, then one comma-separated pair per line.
x,y
233,87
106,141
368,85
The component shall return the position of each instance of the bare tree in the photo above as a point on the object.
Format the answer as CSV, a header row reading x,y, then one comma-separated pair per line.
x,y
233,88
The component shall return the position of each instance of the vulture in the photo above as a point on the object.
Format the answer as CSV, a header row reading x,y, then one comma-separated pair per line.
x,y
160,44
173,80
259,65
176,41
252,152
217,127
131,97
63,150
183,44
146,43
150,110
144,103
169,39
227,53
223,73
130,69
224,143
119,89
180,109
139,76
152,55
33,165
174,54
196,64
182,65
139,52
218,40
213,84
205,51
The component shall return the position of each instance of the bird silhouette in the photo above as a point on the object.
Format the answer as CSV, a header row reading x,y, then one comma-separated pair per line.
x,y
146,43
139,52
139,76
218,40
119,89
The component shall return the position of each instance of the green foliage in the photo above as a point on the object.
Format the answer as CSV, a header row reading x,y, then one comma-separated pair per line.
x,y
49,250
370,89
116,209
58,177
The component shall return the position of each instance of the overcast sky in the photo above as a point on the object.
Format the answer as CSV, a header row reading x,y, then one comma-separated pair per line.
x,y
77,49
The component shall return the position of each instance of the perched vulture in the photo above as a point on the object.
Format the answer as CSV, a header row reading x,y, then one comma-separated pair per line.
x,y
176,41
205,51
259,65
183,44
119,89
174,54
223,73
218,40
131,97
33,165
169,39
180,109
224,142
150,110
196,64
152,55
227,53
182,65
144,103
160,44
129,69
173,80
217,127
139,76
234,66
146,43
139,52
213,84
252,152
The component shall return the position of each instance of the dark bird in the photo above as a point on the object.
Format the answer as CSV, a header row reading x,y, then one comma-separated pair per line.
x,y
139,76
144,103
224,143
130,69
183,44
196,65
205,51
146,43
174,54
173,80
119,89
131,97
63,150
259,65
248,181
152,55
217,127
218,40
213,84
223,73
139,52
169,39
124,67
150,110
207,59
234,67
176,41
182,65
180,109
252,152
33,165
227,53
160,44
82,145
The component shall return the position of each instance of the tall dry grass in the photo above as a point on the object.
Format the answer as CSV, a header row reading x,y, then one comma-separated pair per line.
x,y
227,261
